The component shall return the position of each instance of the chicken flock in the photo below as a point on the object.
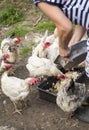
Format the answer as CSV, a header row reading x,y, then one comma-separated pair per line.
x,y
40,64
15,88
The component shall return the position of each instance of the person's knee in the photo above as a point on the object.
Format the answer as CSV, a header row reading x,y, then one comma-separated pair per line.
x,y
66,30
69,28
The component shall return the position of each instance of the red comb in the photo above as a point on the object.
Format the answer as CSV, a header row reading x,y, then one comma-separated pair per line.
x,y
17,40
8,66
33,81
68,69
61,77
47,44
5,56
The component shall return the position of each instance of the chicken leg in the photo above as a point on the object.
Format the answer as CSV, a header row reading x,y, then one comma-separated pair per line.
x,y
16,109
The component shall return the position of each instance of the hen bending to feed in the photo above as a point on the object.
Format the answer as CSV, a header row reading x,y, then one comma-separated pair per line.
x,y
15,88
40,67
70,95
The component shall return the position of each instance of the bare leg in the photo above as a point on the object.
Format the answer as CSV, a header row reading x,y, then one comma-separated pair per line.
x,y
77,35
62,23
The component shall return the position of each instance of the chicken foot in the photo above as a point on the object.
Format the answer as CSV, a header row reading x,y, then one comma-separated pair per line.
x,y
16,109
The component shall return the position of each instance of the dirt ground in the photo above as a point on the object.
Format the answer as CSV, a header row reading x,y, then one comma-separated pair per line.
x,y
39,115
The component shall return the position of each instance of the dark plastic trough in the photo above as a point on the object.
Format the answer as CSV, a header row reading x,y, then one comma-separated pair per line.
x,y
46,84
82,113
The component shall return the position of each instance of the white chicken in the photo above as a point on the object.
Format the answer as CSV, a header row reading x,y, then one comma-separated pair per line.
x,y
10,46
5,66
53,50
13,53
15,88
41,67
39,50
51,38
1,54
9,41
70,95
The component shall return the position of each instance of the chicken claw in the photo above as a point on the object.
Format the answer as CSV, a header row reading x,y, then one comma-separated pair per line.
x,y
33,81
16,109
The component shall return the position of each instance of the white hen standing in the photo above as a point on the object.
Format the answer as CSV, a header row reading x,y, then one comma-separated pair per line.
x,y
39,50
53,50
51,38
15,88
48,47
41,67
13,52
10,46
9,41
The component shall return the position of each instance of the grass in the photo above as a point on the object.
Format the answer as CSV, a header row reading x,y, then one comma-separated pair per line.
x,y
19,31
25,51
42,26
22,30
10,15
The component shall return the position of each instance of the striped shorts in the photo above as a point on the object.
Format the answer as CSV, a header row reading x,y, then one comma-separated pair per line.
x,y
76,10
54,2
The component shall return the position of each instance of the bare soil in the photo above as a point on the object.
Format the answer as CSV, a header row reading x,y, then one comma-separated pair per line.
x,y
40,114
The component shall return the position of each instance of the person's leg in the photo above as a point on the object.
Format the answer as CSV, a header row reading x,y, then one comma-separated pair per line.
x,y
62,23
77,35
